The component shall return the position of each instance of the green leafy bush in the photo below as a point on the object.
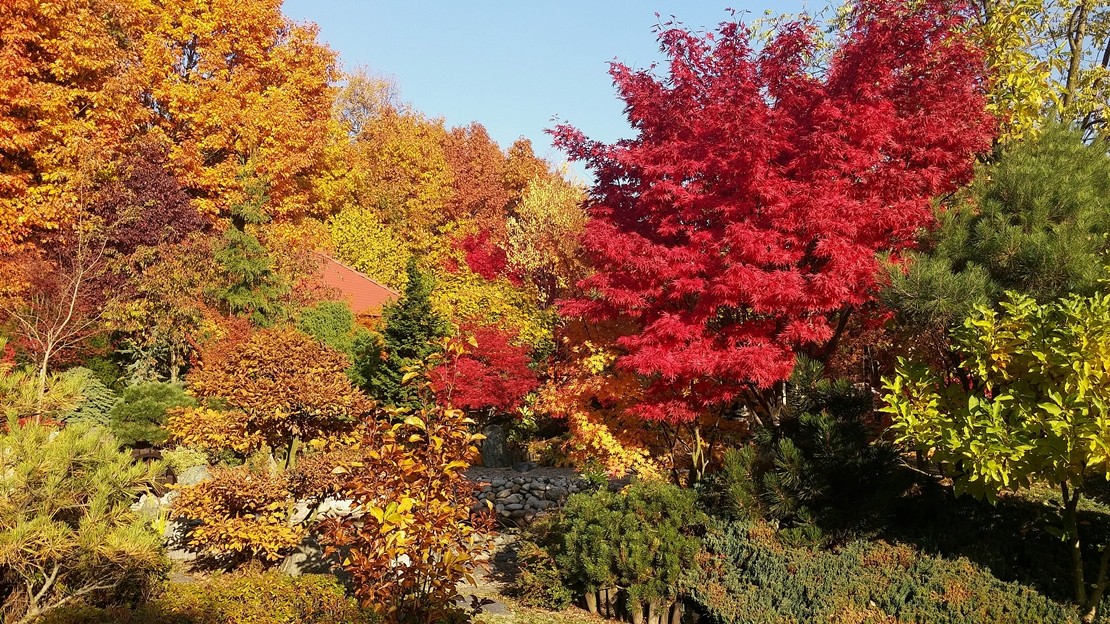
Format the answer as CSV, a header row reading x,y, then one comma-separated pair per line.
x,y
66,527
640,540
747,575
141,412
539,582
245,598
332,323
181,458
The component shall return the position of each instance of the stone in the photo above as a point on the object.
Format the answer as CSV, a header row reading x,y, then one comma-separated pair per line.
x,y
495,448
557,492
514,507
503,494
513,499
308,558
523,466
532,502
149,507
192,476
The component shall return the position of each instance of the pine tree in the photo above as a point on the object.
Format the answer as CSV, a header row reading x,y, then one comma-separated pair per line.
x,y
1035,222
252,287
412,332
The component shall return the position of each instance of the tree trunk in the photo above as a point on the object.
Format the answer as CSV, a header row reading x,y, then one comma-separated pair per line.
x,y
591,602
40,391
1091,609
1077,32
291,455
676,613
1075,545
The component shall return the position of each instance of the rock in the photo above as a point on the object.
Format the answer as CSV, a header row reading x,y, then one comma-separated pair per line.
x,y
503,494
309,558
148,506
524,466
532,502
495,448
513,499
192,476
556,493
482,605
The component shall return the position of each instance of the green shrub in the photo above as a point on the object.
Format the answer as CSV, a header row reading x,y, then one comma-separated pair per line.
x,y
66,527
640,540
244,598
98,401
181,458
747,575
539,582
817,473
332,323
141,412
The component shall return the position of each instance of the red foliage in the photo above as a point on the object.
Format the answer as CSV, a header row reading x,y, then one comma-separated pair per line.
x,y
485,257
751,206
488,372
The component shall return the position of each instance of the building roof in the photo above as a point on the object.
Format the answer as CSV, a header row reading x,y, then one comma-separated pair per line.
x,y
365,295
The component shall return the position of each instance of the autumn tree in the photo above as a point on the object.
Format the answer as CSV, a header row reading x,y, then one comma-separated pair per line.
x,y
477,165
62,308
145,204
1048,61
290,388
69,99
742,223
543,236
236,84
366,243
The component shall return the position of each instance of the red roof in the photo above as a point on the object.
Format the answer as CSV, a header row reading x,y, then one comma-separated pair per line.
x,y
365,295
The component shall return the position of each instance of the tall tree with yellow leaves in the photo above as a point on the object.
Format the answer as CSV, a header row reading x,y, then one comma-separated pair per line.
x,y
234,86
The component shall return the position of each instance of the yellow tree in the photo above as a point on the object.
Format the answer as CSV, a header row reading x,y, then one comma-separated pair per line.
x,y
67,97
363,241
1046,56
543,235
407,176
233,85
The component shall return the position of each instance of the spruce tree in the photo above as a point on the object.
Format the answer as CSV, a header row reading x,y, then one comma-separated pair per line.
x,y
252,287
413,331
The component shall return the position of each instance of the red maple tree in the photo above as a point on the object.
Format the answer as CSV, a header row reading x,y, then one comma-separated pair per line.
x,y
743,222
487,373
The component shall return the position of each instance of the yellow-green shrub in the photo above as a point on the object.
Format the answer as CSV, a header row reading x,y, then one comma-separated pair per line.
x,y
246,598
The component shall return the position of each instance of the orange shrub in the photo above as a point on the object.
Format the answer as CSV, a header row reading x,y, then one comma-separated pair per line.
x,y
240,515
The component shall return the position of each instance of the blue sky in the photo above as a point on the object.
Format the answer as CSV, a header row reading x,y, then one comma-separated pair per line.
x,y
512,66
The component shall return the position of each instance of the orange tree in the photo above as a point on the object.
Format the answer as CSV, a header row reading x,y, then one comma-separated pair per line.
x,y
289,387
